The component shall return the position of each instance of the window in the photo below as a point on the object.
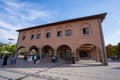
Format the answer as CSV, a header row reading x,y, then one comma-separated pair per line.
x,y
38,36
68,32
85,31
23,37
48,35
32,37
59,33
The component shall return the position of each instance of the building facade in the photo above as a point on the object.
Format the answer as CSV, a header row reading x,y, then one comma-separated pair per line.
x,y
79,37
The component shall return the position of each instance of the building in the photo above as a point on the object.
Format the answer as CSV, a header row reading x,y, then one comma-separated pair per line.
x,y
80,37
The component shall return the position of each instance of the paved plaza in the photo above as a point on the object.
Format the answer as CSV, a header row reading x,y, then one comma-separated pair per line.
x,y
83,70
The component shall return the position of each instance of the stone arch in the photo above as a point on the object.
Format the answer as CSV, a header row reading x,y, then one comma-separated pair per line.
x,y
47,50
85,25
59,31
64,52
47,30
33,50
21,50
23,36
88,51
38,34
68,27
32,33
38,31
68,30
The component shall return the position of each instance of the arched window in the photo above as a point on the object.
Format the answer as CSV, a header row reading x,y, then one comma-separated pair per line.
x,y
32,36
24,37
86,30
68,32
38,36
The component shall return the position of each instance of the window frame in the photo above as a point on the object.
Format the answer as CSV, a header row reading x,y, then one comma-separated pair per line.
x,y
59,33
23,37
86,31
32,36
48,35
68,32
38,36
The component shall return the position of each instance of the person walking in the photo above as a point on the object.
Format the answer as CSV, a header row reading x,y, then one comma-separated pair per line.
x,y
25,57
35,59
5,58
14,58
11,59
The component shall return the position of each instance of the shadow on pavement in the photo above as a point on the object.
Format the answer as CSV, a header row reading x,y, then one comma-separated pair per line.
x,y
20,63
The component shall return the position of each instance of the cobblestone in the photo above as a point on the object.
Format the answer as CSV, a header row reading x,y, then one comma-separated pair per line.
x,y
83,70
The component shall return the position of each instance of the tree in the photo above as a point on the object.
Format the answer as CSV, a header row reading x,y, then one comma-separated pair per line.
x,y
118,49
111,50
8,48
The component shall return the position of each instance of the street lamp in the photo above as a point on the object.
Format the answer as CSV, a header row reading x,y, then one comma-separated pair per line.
x,y
10,40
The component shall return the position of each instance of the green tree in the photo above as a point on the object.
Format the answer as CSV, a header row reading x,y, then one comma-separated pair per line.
x,y
21,51
118,49
111,50
8,48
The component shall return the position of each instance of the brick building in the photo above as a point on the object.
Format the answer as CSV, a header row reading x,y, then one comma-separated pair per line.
x,y
81,37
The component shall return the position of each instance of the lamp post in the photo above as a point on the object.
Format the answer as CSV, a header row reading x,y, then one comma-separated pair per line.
x,y
10,40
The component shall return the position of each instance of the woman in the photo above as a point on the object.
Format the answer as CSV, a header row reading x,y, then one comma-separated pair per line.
x,y
5,59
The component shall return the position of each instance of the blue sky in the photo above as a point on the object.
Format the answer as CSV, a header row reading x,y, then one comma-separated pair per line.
x,y
18,14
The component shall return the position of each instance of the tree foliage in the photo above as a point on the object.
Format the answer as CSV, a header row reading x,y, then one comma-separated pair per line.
x,y
113,50
21,51
8,48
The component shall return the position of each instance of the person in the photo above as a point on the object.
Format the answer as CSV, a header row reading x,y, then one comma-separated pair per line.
x,y
1,55
5,58
38,59
35,59
14,58
56,59
25,57
53,59
11,59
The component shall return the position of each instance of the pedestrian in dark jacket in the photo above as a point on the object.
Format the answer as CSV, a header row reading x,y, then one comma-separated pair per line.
x,y
5,58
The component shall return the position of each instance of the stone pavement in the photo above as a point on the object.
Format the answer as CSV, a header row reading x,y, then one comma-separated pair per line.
x,y
83,70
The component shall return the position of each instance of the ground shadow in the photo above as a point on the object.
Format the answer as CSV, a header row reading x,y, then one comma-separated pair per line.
x,y
118,68
26,64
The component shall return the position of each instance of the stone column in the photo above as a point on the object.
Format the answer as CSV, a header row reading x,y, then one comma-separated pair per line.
x,y
40,53
77,55
97,55
103,50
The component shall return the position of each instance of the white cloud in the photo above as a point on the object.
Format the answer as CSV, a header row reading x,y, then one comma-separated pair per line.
x,y
118,31
18,15
34,14
7,26
8,34
119,21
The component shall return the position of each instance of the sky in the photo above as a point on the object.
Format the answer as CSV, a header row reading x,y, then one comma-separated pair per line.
x,y
18,14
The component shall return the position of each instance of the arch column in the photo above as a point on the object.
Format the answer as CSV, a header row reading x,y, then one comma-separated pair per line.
x,y
40,53
77,55
54,52
97,55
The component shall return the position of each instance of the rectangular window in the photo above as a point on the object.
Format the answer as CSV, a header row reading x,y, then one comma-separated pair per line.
x,y
38,36
32,37
68,32
85,31
48,35
59,33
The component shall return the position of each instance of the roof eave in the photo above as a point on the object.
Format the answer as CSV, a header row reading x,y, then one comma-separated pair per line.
x,y
101,16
